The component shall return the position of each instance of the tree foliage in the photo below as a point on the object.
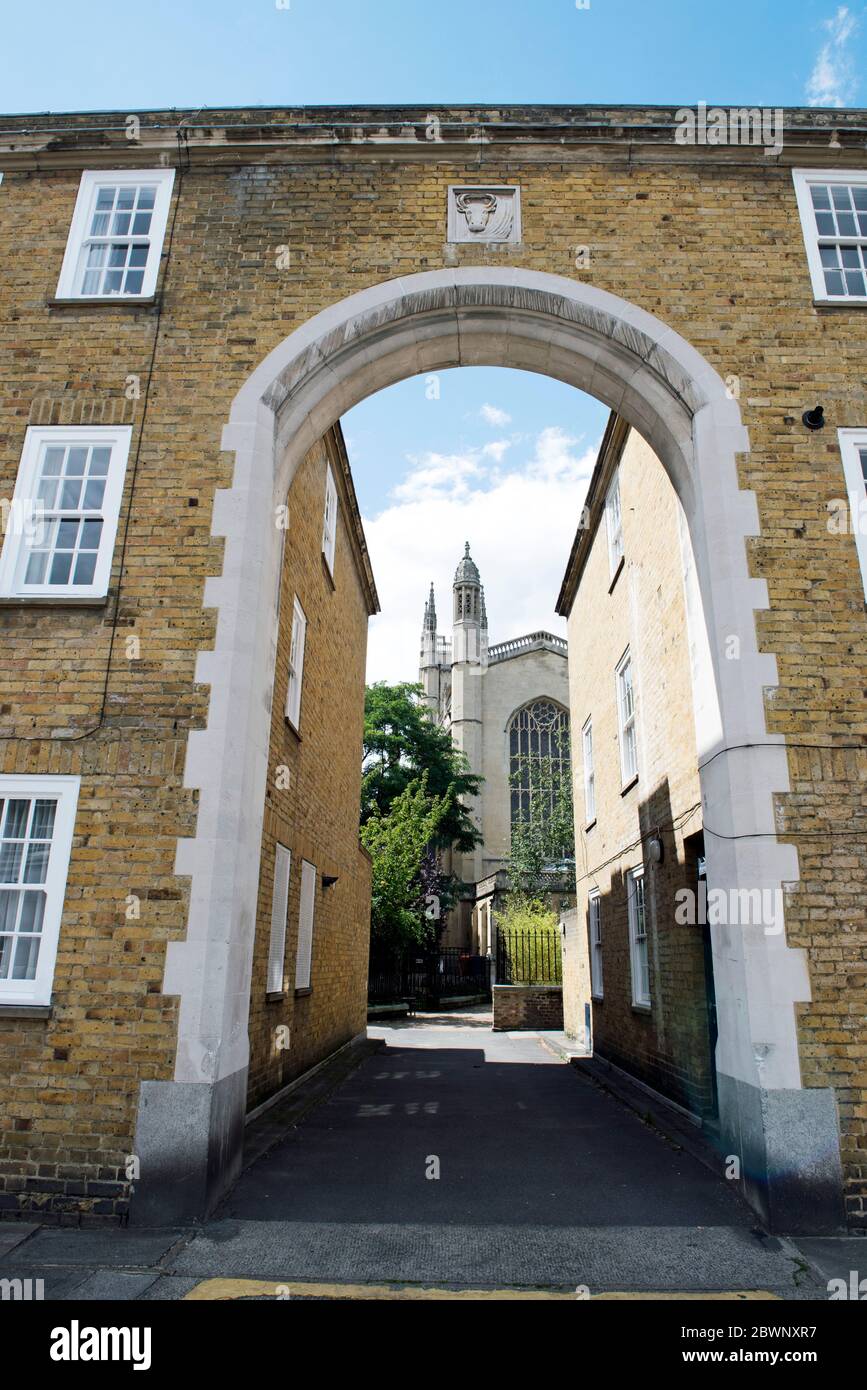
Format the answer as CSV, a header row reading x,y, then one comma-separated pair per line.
x,y
398,842
402,743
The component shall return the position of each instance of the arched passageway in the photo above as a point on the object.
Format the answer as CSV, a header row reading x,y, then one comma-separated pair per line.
x,y
665,389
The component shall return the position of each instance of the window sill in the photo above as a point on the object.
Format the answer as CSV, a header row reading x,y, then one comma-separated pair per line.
x,y
627,786
53,601
26,1010
302,993
121,302
597,998
275,996
617,572
646,1009
291,727
589,826
328,575
840,303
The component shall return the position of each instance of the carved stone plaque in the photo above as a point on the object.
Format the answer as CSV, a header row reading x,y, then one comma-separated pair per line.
x,y
481,213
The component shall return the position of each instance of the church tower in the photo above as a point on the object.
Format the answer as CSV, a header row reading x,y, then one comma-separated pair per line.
x,y
428,671
469,657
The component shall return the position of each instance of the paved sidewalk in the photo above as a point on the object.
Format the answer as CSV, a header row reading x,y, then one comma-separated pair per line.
x,y
454,1157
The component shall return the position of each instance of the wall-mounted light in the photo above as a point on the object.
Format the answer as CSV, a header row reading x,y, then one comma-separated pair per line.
x,y
656,849
814,419
329,880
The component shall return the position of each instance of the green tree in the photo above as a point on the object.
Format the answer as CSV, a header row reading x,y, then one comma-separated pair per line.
x,y
398,842
401,743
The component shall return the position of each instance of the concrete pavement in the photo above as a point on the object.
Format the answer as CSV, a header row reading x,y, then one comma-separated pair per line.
x,y
455,1157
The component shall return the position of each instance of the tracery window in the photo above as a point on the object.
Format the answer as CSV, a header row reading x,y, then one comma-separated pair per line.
x,y
538,753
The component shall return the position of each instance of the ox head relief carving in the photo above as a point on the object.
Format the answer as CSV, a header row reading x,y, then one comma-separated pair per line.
x,y
477,209
484,214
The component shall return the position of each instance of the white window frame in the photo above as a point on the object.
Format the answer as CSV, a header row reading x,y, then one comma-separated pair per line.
x,y
279,919
72,269
329,520
589,773
306,916
594,926
297,644
23,521
65,791
803,178
639,950
626,722
614,524
851,442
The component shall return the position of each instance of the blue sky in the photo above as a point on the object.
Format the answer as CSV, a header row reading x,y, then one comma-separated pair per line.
x,y
498,458
98,54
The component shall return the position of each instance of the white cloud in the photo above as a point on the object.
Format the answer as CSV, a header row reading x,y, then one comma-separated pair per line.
x,y
520,524
832,81
492,415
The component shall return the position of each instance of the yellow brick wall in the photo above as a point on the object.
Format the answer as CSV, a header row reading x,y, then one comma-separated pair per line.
x,y
316,815
713,248
643,609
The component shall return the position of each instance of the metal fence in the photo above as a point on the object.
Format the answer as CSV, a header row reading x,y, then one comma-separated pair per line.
x,y
427,977
528,957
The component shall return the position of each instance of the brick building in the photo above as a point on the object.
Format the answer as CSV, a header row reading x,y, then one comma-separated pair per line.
x,y
638,805
213,290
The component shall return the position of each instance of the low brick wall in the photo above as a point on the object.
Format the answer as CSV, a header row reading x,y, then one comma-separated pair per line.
x,y
527,1006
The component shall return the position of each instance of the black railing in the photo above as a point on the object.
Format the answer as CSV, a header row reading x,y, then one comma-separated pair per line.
x,y
528,957
427,977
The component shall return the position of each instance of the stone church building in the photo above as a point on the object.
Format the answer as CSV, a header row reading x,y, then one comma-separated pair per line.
x,y
505,704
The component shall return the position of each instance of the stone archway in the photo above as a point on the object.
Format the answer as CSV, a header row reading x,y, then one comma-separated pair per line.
x,y
190,1129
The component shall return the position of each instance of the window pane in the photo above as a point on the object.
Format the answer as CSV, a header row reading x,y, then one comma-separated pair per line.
x,y
134,282
15,826
93,495
32,912
52,462
67,532
26,957
99,461
61,566
43,820
36,867
10,861
36,566
85,568
8,909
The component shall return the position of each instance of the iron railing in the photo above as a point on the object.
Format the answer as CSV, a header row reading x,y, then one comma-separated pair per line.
x,y
427,976
528,957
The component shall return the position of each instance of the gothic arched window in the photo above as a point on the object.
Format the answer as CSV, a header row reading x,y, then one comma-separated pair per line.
x,y
538,753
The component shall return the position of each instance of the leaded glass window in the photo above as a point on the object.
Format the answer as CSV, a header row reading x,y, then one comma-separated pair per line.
x,y
538,746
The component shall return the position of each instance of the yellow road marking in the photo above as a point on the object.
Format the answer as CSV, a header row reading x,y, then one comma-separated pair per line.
x,y
223,1290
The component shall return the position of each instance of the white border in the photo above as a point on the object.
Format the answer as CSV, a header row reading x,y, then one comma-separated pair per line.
x,y
118,438
90,180
856,492
802,179
65,789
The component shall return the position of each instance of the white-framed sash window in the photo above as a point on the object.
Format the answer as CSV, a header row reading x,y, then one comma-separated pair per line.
x,y
626,719
833,207
37,819
589,773
296,664
279,915
614,525
329,522
595,925
61,525
116,236
638,957
304,954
